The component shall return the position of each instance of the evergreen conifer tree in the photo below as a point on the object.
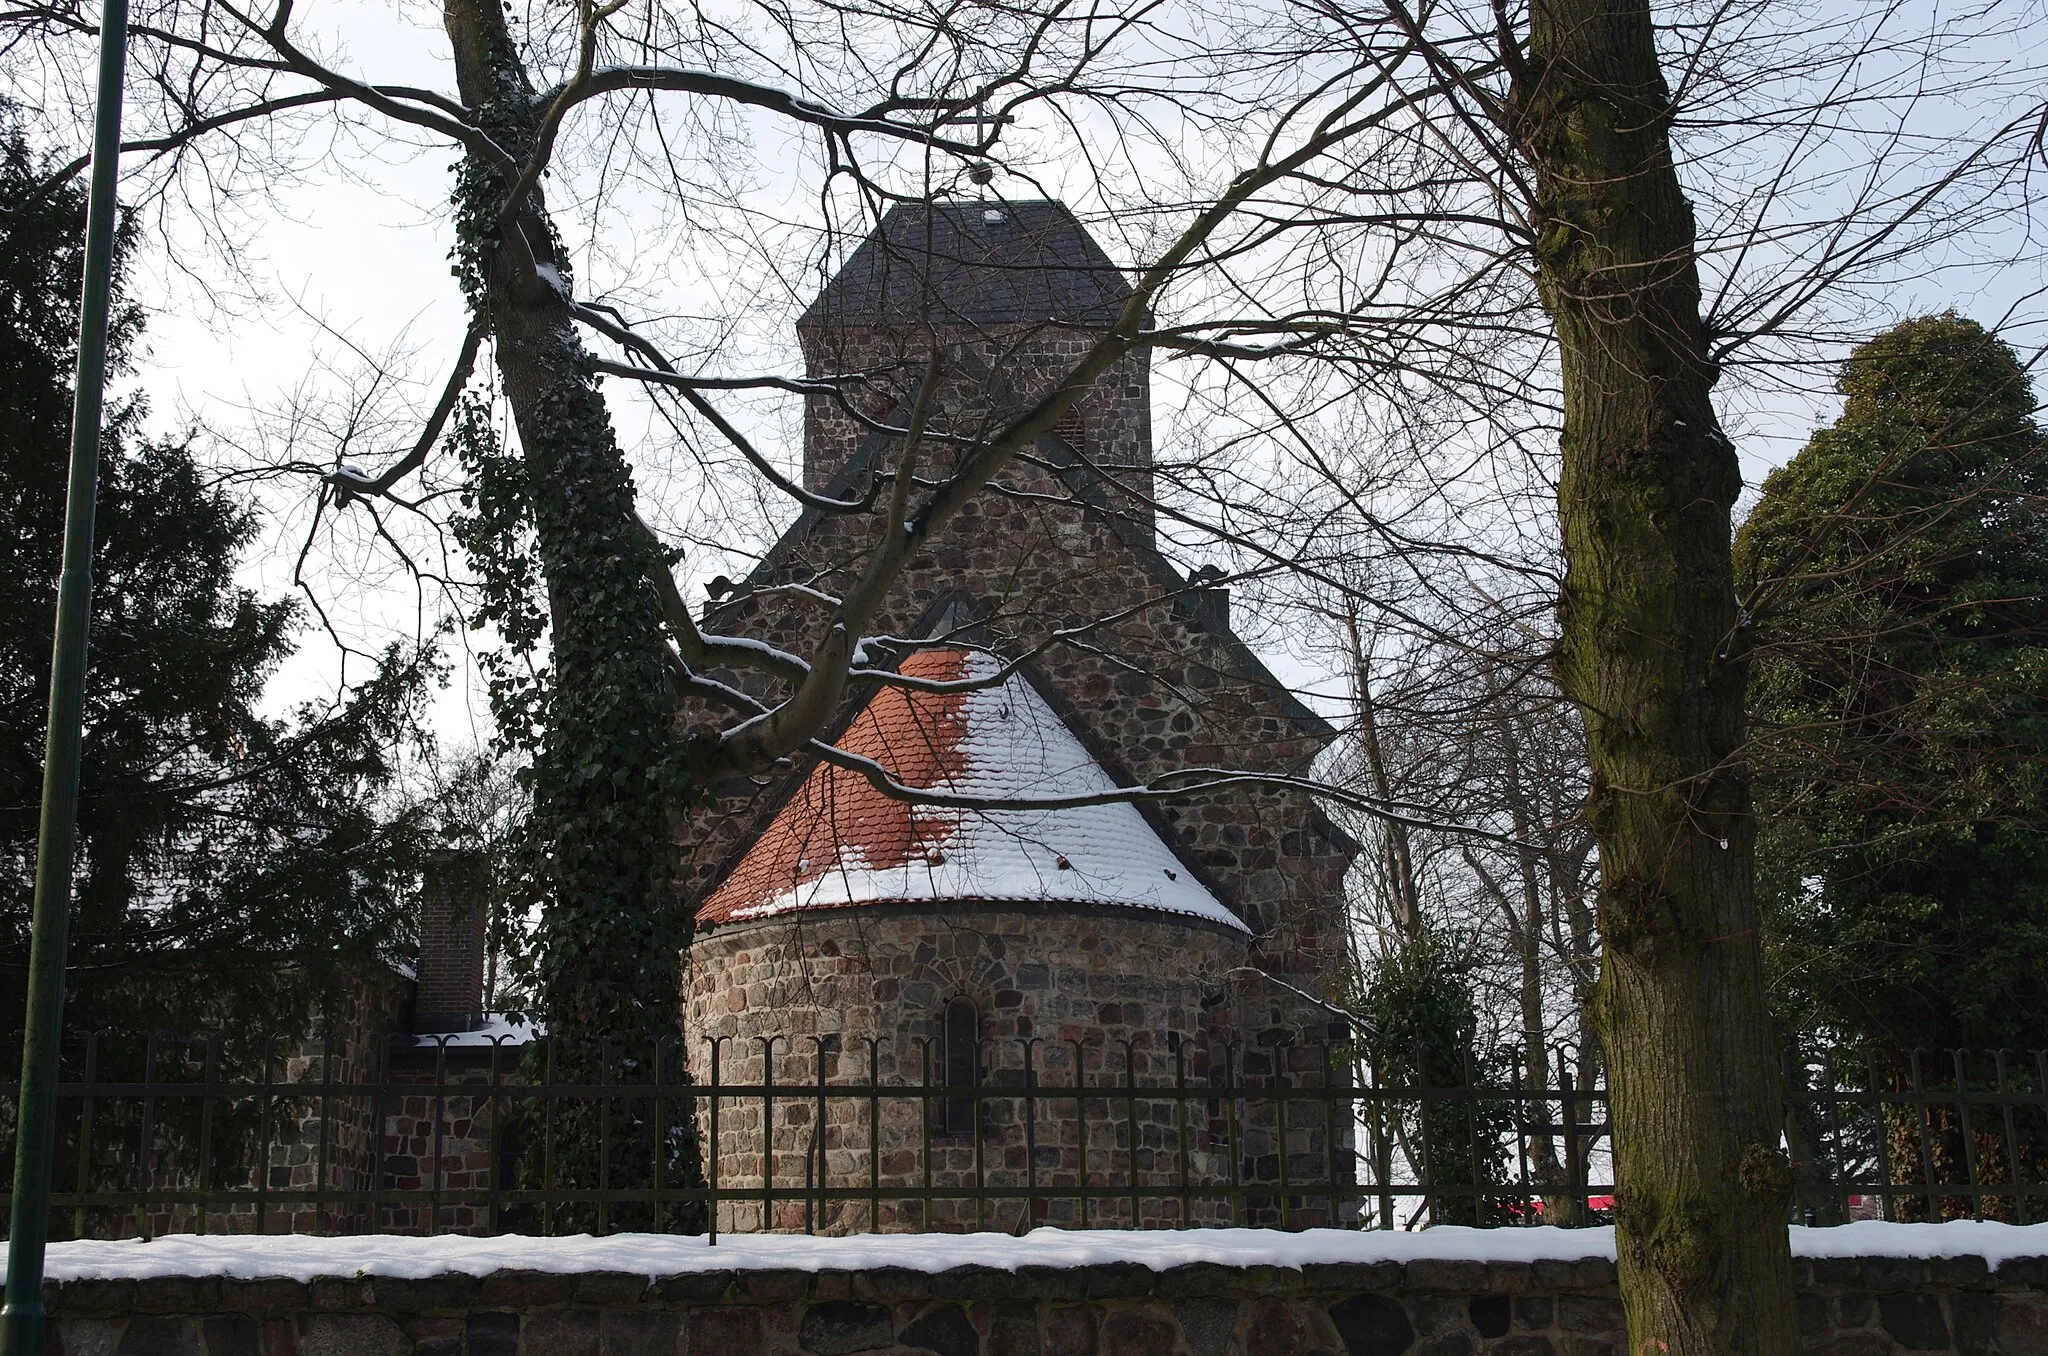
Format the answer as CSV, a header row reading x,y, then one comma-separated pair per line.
x,y
1897,573
1419,1027
229,863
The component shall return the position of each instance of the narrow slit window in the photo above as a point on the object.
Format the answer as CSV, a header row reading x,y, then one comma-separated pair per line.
x,y
962,1064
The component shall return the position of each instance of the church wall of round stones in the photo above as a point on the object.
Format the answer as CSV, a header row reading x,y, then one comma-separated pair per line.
x,y
1125,998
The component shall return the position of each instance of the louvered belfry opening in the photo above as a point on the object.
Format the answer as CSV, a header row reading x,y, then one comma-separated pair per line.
x,y
1073,431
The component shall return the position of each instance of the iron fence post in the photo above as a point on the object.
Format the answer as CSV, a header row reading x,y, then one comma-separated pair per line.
x,y
145,1139
814,1157
980,1163
212,1071
604,1135
1574,1154
874,1136
767,1133
1180,1102
1330,1138
711,1175
1926,1135
1279,1077
1231,1136
924,1057
1131,1116
549,1099
494,1151
1030,1135
1468,1076
1881,1132
2040,1090
440,1126
660,1135
1431,1197
265,1112
2012,1140
1969,1135
1080,1136
92,1060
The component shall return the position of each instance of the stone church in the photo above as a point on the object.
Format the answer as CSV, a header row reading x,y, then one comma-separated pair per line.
x,y
985,959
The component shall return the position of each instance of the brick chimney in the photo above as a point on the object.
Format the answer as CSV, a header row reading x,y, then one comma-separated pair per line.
x,y
454,919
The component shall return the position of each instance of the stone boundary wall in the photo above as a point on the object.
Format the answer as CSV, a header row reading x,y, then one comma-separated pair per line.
x,y
1848,1307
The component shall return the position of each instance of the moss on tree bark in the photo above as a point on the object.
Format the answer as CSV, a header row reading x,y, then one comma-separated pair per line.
x,y
1651,651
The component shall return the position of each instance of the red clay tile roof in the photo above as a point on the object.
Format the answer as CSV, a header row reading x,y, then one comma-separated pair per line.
x,y
839,842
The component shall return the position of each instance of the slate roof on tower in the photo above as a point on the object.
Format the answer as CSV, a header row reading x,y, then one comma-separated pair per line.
x,y
974,263
838,842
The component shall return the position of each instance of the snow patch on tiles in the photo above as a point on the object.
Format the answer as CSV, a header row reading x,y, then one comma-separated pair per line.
x,y
405,1258
1002,742
497,1029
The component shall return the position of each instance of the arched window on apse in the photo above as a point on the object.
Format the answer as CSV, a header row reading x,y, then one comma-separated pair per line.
x,y
960,1063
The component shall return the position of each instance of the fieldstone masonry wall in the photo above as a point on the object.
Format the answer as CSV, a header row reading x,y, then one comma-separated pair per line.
x,y
371,1003
1851,1307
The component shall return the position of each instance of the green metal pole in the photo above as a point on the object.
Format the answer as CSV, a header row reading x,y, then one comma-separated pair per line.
x,y
36,1113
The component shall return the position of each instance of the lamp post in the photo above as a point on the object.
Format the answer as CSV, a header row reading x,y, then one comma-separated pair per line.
x,y
21,1321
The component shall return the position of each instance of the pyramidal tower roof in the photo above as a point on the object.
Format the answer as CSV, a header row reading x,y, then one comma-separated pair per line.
x,y
974,263
841,843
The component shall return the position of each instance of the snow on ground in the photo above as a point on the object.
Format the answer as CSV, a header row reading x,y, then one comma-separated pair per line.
x,y
302,1258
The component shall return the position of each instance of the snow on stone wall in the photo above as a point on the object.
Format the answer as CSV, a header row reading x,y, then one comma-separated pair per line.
x,y
1866,1290
300,1258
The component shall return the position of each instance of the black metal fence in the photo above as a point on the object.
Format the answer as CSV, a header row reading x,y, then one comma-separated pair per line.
x,y
168,1134
1919,1135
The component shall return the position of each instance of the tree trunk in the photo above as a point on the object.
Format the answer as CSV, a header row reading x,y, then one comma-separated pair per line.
x,y
1527,929
607,772
1402,889
1650,651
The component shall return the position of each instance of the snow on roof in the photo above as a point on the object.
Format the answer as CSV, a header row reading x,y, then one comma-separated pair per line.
x,y
840,842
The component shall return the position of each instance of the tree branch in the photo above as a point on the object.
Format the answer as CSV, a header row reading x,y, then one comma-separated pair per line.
x,y
350,485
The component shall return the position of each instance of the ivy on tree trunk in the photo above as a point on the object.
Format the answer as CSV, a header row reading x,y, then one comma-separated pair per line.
x,y
1651,650
608,770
